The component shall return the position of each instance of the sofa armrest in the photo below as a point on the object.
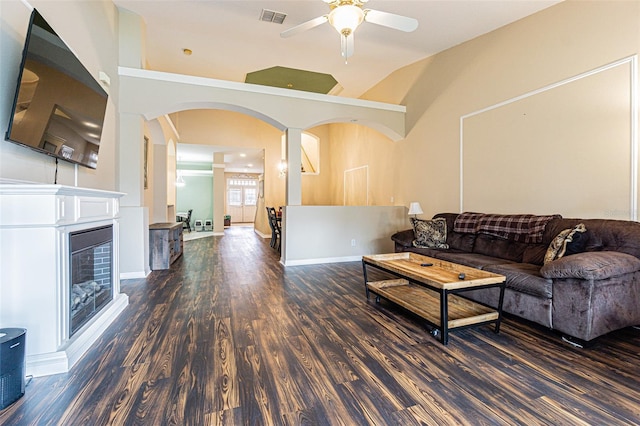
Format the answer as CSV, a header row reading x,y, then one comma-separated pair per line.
x,y
595,265
404,238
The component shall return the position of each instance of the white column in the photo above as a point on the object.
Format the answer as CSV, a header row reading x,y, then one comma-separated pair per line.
x,y
131,159
218,193
294,162
134,222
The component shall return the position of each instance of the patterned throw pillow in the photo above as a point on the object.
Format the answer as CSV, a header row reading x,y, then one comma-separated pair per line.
x,y
430,233
568,241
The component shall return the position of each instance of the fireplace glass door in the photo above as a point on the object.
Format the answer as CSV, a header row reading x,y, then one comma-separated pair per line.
x,y
91,265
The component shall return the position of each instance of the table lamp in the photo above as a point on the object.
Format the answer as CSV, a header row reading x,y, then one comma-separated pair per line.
x,y
415,209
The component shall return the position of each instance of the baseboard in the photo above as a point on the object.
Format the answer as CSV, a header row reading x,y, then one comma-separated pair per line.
x,y
62,360
261,235
321,260
133,275
47,364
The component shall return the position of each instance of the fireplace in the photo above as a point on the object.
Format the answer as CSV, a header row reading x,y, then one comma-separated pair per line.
x,y
55,238
90,286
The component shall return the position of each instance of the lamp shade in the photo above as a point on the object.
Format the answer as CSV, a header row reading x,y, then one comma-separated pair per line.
x,y
414,208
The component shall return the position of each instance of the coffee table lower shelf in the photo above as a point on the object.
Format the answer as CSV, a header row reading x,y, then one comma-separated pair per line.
x,y
426,303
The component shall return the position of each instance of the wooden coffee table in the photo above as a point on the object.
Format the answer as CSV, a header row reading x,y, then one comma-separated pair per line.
x,y
430,288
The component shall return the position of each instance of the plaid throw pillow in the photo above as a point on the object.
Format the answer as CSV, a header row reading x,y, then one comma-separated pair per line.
x,y
430,233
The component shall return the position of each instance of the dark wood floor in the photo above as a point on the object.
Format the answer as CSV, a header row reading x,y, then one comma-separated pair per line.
x,y
229,336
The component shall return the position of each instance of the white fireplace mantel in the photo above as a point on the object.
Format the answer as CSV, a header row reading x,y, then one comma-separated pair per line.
x,y
35,223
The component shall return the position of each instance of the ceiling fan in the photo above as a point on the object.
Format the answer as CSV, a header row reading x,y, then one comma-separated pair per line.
x,y
346,15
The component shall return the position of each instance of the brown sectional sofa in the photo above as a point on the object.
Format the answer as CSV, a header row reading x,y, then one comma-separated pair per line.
x,y
582,296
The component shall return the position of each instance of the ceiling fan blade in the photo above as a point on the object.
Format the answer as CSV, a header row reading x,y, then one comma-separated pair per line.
x,y
304,26
391,20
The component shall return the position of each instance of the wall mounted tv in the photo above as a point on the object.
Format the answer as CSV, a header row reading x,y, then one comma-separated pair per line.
x,y
58,107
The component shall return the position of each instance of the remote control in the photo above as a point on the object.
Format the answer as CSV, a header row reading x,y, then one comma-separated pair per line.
x,y
426,264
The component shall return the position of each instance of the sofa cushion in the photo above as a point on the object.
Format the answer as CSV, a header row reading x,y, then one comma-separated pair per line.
x,y
533,308
524,278
499,247
603,234
456,240
591,265
460,241
430,233
568,241
534,253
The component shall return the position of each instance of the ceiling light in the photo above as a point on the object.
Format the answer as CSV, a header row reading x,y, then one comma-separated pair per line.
x,y
345,18
346,15
187,52
282,168
243,155
180,181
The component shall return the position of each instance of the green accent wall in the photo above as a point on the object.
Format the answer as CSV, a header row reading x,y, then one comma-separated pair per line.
x,y
197,194
291,78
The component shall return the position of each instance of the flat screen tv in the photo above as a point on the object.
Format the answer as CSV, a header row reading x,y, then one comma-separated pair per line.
x,y
58,107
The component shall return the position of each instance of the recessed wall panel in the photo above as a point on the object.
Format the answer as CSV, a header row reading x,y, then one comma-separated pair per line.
x,y
559,149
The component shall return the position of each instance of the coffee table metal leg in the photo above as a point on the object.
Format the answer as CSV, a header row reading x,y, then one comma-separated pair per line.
x,y
364,272
444,315
500,302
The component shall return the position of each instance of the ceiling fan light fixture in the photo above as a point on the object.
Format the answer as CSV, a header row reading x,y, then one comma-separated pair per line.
x,y
346,18
346,15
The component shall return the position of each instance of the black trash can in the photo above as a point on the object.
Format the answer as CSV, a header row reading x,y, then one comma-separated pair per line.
x,y
12,365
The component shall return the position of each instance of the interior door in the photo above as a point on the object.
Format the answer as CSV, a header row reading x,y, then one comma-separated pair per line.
x,y
242,198
250,199
234,204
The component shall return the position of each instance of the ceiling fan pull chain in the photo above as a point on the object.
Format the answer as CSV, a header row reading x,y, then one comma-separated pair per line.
x,y
343,47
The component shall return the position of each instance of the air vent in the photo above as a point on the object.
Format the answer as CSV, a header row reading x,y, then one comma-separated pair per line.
x,y
272,16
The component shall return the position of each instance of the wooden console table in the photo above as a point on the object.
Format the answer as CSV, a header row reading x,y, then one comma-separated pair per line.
x,y
428,287
165,244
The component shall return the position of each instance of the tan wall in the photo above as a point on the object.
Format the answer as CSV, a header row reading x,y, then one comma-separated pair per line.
x,y
556,137
316,187
353,146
